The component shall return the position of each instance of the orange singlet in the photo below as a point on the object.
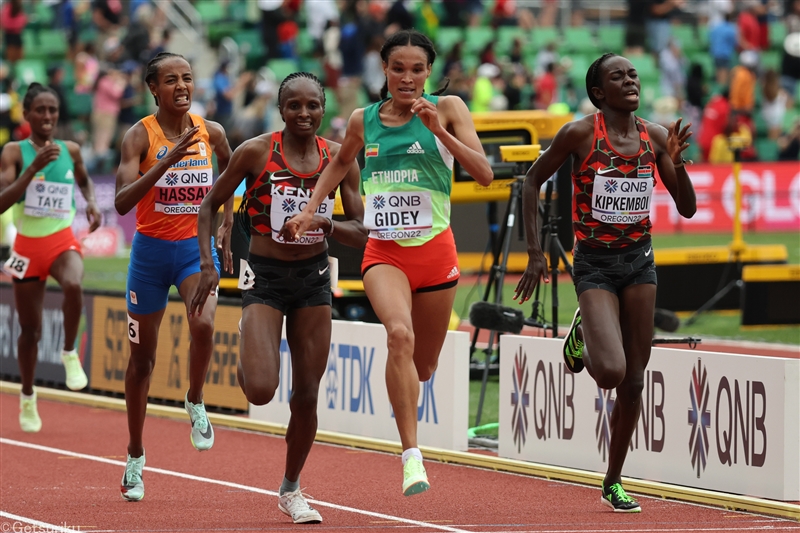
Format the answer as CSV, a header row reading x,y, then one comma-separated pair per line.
x,y
169,210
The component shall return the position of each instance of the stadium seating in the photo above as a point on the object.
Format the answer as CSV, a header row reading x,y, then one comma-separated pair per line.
x,y
611,38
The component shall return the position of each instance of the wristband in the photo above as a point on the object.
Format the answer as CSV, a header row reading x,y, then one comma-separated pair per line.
x,y
330,232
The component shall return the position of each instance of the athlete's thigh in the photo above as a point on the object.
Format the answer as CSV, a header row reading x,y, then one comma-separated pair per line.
x,y
143,334
308,331
67,268
637,310
186,290
261,342
600,323
390,295
430,312
29,300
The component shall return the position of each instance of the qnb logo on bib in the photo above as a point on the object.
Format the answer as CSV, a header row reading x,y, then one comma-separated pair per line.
x,y
289,201
399,215
180,192
621,200
48,199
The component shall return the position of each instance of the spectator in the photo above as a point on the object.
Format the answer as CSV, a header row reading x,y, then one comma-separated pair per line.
x,y
131,98
743,83
504,13
398,17
659,21
773,103
635,32
749,28
224,93
789,144
136,42
673,71
108,92
161,46
716,121
790,62
55,80
546,87
487,55
87,68
355,33
483,90
515,54
12,21
272,15
319,14
722,41
718,10
426,19
373,69
695,95
107,15
546,56
453,59
332,56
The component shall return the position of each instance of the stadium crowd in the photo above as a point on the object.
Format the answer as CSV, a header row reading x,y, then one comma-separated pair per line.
x,y
725,65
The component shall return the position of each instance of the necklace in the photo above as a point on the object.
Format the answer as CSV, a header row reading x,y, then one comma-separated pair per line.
x,y
34,144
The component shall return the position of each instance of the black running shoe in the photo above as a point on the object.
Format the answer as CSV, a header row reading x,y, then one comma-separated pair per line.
x,y
616,498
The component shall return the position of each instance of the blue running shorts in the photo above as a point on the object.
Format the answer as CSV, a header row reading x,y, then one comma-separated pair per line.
x,y
155,266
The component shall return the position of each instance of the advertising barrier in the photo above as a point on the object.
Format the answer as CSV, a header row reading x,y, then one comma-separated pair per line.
x,y
48,367
770,199
170,378
353,396
708,420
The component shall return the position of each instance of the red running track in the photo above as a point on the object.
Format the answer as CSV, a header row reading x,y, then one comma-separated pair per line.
x,y
66,478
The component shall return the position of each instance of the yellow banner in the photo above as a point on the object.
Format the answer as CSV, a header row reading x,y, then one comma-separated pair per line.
x,y
170,379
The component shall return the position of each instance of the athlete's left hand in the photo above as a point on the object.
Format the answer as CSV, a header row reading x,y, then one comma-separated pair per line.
x,y
427,113
224,245
676,141
93,216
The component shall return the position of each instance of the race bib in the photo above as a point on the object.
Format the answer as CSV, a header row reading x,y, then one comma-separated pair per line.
x,y
247,278
17,265
399,215
286,206
181,189
48,199
621,200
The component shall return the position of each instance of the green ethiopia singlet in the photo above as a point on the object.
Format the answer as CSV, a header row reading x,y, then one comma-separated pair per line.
x,y
48,205
406,178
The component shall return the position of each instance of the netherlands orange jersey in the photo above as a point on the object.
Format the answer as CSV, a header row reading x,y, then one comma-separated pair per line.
x,y
169,210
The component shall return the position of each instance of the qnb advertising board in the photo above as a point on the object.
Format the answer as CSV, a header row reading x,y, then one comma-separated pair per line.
x,y
353,398
708,420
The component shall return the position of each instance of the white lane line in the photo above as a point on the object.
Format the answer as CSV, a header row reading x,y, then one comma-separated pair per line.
x,y
40,526
226,484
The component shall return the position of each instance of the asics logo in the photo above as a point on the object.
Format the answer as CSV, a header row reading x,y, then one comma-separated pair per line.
x,y
323,270
648,252
415,148
453,272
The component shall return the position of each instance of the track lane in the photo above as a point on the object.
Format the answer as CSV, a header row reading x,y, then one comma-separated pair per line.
x,y
56,487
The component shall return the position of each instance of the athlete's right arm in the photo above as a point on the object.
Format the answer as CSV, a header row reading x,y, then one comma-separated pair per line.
x,y
135,144
570,136
240,165
12,187
330,178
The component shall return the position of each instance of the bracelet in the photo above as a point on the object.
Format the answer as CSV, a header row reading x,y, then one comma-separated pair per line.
x,y
683,163
330,232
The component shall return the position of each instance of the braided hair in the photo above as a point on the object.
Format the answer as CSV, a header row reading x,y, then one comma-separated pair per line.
x,y
593,77
154,66
409,38
301,75
34,90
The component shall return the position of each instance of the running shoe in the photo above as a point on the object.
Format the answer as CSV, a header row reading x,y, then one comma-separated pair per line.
x,y
132,487
573,346
616,498
202,433
295,505
76,377
29,420
415,480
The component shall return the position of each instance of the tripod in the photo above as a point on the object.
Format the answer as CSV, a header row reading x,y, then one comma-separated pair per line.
x,y
737,246
555,251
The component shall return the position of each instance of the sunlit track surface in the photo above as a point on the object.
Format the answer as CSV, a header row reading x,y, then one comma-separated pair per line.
x,y
66,478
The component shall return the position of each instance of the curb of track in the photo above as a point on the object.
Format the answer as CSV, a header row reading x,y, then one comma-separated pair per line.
x,y
733,502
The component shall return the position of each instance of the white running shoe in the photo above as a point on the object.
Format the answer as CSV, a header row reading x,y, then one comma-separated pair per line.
x,y
295,505
132,486
202,433
76,377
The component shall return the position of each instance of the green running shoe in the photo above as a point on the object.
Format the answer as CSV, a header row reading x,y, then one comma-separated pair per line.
x,y
573,346
415,479
202,433
29,420
616,498
132,486
76,377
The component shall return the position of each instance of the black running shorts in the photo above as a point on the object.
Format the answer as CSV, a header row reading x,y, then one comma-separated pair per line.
x,y
612,271
287,285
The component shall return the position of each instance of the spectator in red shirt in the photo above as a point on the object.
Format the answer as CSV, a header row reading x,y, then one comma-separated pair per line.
x,y
546,88
12,22
749,28
716,120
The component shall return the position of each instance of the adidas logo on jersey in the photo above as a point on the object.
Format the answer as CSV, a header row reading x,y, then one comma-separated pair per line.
x,y
415,148
453,272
